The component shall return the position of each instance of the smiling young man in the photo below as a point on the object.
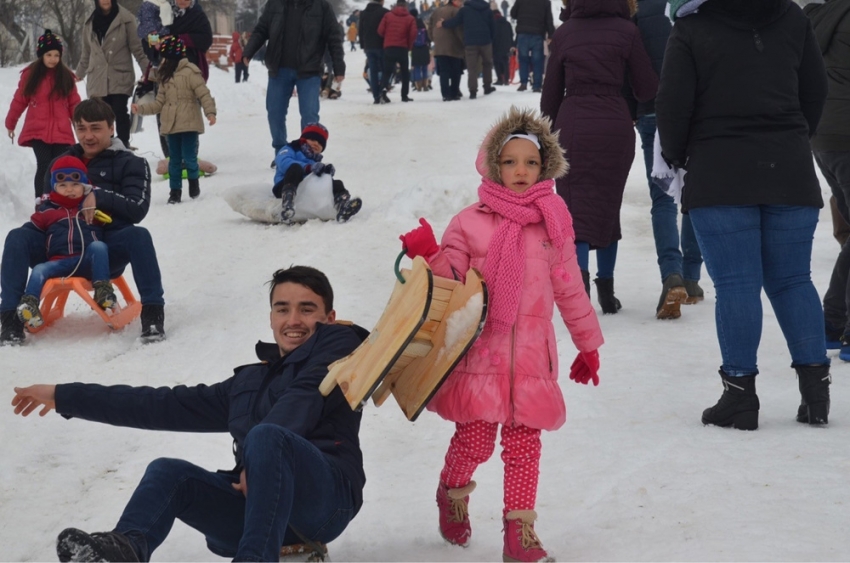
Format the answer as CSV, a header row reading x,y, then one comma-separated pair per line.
x,y
122,190
299,470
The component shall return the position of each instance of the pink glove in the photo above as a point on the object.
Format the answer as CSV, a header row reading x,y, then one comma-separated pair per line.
x,y
585,368
420,241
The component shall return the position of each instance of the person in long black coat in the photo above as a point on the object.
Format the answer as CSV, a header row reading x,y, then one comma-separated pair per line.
x,y
742,89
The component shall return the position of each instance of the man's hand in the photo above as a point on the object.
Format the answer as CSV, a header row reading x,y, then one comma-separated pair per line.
x,y
211,118
246,61
134,108
242,485
27,399
88,208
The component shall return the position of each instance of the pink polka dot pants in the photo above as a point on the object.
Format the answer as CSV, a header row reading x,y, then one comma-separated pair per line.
x,y
473,444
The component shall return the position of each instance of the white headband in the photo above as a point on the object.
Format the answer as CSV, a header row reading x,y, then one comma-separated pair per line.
x,y
527,136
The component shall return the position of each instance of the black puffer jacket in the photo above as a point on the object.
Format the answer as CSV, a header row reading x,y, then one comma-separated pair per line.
x,y
740,95
370,19
533,17
654,29
319,31
831,22
193,27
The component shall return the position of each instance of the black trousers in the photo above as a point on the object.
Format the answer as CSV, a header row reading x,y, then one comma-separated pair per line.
x,y
118,103
241,72
393,55
44,154
835,167
450,70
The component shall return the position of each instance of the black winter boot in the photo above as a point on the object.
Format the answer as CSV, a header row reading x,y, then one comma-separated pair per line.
x,y
194,188
174,196
287,205
346,206
814,387
153,322
76,545
605,294
738,407
11,329
585,277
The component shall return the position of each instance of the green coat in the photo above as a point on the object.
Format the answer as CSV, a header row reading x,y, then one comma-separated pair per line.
x,y
178,101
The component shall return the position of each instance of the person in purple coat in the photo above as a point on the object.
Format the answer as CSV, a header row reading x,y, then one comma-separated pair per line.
x,y
591,56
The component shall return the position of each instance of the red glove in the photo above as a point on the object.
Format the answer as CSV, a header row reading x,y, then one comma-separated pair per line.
x,y
420,241
585,368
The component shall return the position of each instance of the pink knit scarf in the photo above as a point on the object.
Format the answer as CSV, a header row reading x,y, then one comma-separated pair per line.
x,y
505,263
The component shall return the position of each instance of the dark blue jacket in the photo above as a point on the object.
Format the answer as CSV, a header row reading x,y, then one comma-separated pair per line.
x,y
67,232
282,391
654,29
476,20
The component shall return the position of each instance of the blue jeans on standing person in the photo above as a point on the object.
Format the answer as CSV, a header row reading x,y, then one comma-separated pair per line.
x,y
25,248
183,148
606,259
529,48
375,60
93,265
292,487
750,247
278,94
686,262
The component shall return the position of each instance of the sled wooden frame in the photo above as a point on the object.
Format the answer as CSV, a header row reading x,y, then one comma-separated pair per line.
x,y
55,293
404,354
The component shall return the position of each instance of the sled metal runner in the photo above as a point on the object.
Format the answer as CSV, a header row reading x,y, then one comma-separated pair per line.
x,y
408,354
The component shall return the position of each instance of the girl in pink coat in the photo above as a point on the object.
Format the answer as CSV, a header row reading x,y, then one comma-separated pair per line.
x,y
48,93
520,236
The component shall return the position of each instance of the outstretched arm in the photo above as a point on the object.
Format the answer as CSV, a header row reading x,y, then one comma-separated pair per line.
x,y
27,399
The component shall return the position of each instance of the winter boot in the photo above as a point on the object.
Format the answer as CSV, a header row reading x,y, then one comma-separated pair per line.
x,y
194,188
346,207
11,329
287,205
695,292
814,387
76,545
521,541
605,295
174,196
453,505
153,321
29,313
673,294
585,277
104,294
738,407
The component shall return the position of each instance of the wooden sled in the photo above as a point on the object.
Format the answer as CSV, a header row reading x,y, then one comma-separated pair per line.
x,y
304,552
55,293
426,328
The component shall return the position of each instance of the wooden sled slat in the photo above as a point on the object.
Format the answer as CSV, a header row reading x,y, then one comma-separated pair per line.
x,y
413,383
360,373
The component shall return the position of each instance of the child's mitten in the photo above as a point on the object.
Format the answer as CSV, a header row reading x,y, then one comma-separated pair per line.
x,y
321,168
420,241
586,368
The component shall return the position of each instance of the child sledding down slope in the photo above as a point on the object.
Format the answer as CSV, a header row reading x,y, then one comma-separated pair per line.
x,y
520,236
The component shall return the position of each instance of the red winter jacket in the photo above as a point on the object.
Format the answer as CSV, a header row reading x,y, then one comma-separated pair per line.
x,y
236,49
398,28
48,118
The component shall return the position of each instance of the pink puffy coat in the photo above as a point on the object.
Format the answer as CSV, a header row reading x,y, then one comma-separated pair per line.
x,y
48,118
512,378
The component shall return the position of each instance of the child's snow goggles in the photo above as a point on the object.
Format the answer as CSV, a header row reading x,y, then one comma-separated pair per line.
x,y
68,175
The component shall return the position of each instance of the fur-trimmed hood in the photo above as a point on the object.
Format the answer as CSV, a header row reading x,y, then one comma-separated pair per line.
x,y
527,121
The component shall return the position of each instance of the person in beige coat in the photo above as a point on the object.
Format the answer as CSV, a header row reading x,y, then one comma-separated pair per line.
x,y
181,95
110,43
448,50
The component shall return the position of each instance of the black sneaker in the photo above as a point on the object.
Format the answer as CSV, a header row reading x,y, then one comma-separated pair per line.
x,y
104,294
347,207
522,88
194,188
489,90
76,545
11,329
407,99
287,206
537,90
174,196
473,95
153,320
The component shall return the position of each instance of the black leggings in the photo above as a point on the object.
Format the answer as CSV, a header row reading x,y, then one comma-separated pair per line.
x,y
118,103
44,154
293,176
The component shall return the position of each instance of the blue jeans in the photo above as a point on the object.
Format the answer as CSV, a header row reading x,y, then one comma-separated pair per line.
x,y
420,72
24,249
529,50
687,262
606,258
750,247
277,102
375,60
291,486
183,151
94,266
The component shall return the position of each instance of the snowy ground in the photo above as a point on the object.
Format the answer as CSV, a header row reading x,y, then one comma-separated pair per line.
x,y
633,475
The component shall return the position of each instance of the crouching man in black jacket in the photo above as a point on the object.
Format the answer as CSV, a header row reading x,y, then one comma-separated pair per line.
x,y
299,470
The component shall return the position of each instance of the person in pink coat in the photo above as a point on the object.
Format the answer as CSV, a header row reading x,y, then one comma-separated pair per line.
x,y
48,93
520,236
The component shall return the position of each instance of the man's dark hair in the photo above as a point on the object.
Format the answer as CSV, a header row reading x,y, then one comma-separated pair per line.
x,y
94,109
310,278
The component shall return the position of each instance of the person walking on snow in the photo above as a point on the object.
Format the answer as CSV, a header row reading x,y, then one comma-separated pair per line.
x,y
520,236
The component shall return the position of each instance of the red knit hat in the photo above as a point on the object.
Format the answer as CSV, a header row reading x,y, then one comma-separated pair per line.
x,y
315,132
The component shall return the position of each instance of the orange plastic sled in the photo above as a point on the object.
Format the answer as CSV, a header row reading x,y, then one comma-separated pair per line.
x,y
55,294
